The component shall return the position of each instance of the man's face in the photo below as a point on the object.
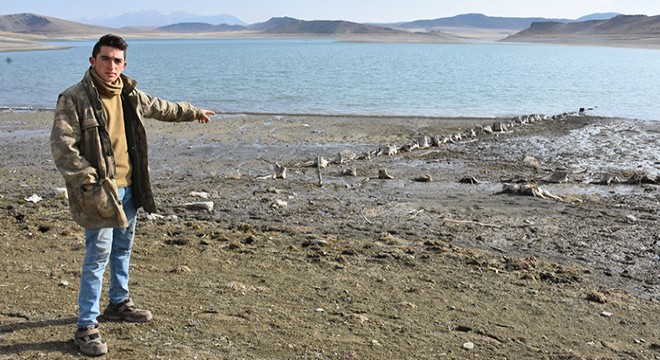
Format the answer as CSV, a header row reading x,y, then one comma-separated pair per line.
x,y
109,63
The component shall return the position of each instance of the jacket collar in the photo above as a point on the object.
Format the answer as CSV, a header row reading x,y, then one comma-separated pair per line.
x,y
129,83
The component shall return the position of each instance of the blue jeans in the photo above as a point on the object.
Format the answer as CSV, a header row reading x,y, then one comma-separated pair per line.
x,y
105,245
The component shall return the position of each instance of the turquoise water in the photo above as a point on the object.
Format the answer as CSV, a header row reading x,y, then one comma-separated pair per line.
x,y
330,77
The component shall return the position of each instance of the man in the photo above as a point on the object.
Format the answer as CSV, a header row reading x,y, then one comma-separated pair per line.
x,y
99,145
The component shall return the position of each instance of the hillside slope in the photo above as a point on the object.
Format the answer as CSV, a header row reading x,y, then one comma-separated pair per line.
x,y
46,25
622,30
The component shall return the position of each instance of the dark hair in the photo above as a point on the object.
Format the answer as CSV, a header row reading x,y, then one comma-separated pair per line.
x,y
111,40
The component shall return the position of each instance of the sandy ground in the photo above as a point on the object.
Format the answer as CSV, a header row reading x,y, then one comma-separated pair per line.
x,y
360,267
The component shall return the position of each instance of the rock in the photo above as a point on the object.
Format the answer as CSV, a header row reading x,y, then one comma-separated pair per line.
x,y
531,162
610,345
34,198
61,193
161,217
382,174
409,147
198,206
468,345
423,178
423,142
321,162
345,156
606,314
557,177
596,296
499,127
183,269
199,194
387,150
349,172
279,171
469,180
357,318
279,204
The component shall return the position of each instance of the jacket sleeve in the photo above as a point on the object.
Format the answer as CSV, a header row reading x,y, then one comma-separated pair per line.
x,y
65,140
159,109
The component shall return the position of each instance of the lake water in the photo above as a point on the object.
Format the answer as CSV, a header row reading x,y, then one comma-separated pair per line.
x,y
331,77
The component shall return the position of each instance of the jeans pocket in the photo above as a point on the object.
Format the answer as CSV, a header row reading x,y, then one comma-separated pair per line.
x,y
100,200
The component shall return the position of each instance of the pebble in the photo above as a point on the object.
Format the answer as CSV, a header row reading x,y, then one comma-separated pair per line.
x,y
468,345
34,198
198,206
64,283
62,193
200,194
183,269
279,204
606,314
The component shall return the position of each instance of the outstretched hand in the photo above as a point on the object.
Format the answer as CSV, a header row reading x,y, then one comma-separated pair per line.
x,y
204,117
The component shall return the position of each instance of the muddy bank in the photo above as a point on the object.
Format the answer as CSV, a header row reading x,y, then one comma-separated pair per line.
x,y
361,267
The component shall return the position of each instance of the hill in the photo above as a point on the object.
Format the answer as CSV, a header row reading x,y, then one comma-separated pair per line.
x,y
197,27
480,26
52,27
287,25
598,16
622,30
155,19
46,25
474,21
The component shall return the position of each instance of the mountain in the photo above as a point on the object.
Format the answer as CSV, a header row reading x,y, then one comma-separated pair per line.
x,y
598,16
480,26
151,18
46,25
43,25
474,21
197,28
287,25
623,30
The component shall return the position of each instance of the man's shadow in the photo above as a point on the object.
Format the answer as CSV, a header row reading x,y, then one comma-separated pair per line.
x,y
66,346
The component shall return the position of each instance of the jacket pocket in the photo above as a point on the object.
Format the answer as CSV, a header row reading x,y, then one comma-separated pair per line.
x,y
100,199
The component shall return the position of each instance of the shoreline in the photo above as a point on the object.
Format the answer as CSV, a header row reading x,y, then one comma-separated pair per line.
x,y
18,109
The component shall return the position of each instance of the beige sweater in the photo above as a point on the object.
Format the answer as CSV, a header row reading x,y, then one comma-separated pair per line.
x,y
111,101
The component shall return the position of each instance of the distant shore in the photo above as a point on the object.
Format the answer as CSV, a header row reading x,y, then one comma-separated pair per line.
x,y
15,43
10,42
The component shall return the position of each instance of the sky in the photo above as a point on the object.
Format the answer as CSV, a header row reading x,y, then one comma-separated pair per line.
x,y
362,11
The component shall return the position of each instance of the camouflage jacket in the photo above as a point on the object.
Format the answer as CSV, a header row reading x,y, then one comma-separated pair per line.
x,y
82,150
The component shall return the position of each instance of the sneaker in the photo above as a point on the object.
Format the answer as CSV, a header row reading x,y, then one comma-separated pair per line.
x,y
126,311
89,341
